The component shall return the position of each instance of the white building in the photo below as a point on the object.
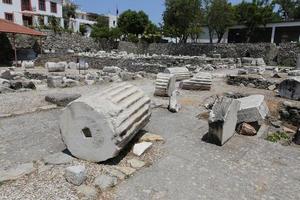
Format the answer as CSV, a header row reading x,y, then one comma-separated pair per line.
x,y
31,12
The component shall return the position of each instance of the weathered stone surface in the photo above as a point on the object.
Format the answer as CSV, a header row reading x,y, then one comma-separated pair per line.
x,y
135,163
149,137
201,81
252,109
165,84
67,82
112,69
181,73
242,72
298,62
140,148
114,172
96,127
296,140
16,172
128,171
56,67
290,112
75,174
55,81
57,159
28,64
8,74
294,73
104,182
222,120
174,107
61,99
247,129
290,88
260,62
86,192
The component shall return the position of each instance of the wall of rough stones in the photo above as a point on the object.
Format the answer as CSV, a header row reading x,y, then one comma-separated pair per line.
x,y
251,81
290,112
287,54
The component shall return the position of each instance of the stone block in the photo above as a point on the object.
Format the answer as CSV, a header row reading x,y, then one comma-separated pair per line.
x,y
57,159
140,148
16,172
201,81
174,107
165,84
75,174
104,182
290,88
181,73
55,81
56,67
294,73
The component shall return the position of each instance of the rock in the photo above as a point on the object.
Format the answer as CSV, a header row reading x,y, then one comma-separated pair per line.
x,y
128,171
181,73
222,120
251,85
98,126
242,72
140,148
288,130
72,65
8,74
201,81
296,139
115,173
56,67
75,174
82,66
58,159
70,82
260,62
247,129
112,69
294,73
135,163
290,88
276,75
252,109
16,172
104,182
272,87
276,124
86,192
216,55
61,99
173,107
16,85
165,84
149,137
28,64
55,82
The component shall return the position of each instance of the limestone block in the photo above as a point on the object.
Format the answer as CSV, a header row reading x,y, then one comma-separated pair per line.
x,y
55,81
56,67
201,81
112,69
290,88
165,84
75,174
294,73
174,107
82,66
253,109
140,148
28,64
260,62
72,65
222,120
181,73
97,126
61,99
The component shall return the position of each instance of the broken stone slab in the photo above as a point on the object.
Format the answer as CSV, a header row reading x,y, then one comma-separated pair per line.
x,y
252,109
201,81
242,72
4,83
72,65
296,139
135,163
61,99
260,62
8,74
16,172
149,137
82,66
98,126
55,82
140,148
114,173
222,120
70,82
290,88
112,69
263,130
104,182
86,192
128,171
294,73
16,85
56,67
28,64
165,84
75,174
58,159
247,129
181,73
174,107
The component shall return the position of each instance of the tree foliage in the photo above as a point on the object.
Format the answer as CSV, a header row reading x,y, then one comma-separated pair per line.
x,y
132,22
152,33
288,9
181,18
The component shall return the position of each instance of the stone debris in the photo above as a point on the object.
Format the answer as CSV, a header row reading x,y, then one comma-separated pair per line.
x,y
140,148
253,61
181,73
128,171
61,99
114,172
75,174
242,72
252,109
135,163
86,192
201,81
28,64
290,112
55,82
111,69
290,88
165,84
247,129
222,120
296,139
174,107
149,137
82,66
294,73
16,172
56,67
104,182
58,159
114,115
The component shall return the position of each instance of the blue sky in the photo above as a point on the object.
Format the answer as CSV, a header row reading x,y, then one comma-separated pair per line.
x,y
154,8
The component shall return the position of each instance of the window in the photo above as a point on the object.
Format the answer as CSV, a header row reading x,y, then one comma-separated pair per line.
x,y
9,16
53,7
42,5
7,1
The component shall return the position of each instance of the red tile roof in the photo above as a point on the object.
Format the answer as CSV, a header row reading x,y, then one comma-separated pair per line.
x,y
10,27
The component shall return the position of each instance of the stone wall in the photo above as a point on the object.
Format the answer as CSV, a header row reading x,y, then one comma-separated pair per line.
x,y
251,81
290,112
287,54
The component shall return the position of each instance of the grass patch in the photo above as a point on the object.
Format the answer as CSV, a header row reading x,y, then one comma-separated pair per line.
x,y
276,137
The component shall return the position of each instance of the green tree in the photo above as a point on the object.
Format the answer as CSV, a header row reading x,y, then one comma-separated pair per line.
x,y
69,11
180,17
287,8
152,33
132,22
220,17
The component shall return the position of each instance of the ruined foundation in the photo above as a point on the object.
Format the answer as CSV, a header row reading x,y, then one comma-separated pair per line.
x,y
97,127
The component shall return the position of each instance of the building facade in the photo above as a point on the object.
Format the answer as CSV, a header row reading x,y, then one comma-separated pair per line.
x,y
31,12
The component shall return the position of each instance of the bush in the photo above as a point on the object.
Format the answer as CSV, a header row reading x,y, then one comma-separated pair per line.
x,y
276,137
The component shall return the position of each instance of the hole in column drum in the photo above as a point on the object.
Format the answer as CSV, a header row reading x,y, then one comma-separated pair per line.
x,y
87,132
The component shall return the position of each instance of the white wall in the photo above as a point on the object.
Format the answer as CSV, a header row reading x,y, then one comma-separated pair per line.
x,y
112,19
14,8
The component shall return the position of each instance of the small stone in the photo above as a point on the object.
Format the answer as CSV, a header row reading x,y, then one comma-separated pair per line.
x,y
128,171
86,192
75,174
16,172
272,87
61,99
251,85
149,137
58,159
276,124
104,182
135,163
247,129
140,148
296,139
115,173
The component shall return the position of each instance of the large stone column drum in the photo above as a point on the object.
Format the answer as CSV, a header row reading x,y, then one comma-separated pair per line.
x,y
181,73
96,127
165,84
